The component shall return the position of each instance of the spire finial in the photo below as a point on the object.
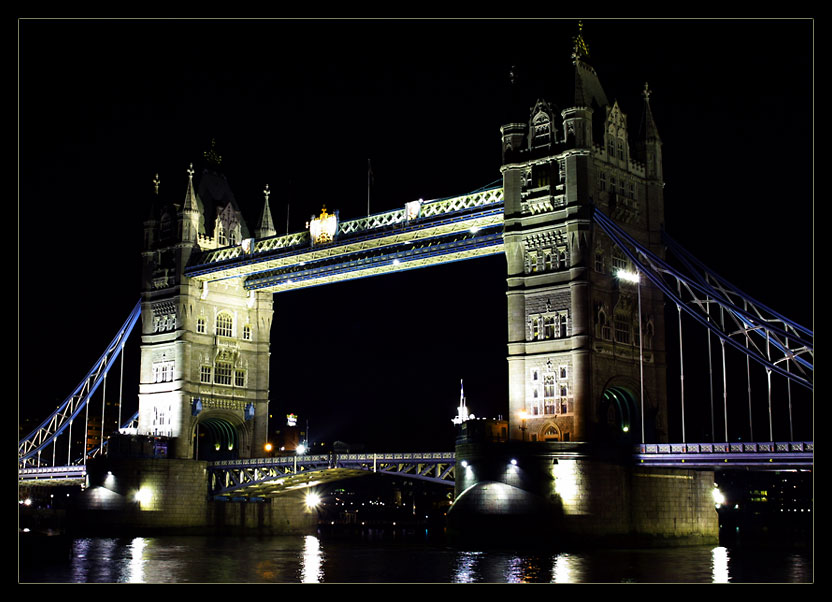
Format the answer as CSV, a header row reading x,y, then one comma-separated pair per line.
x,y
191,171
579,48
211,155
266,192
646,93
156,184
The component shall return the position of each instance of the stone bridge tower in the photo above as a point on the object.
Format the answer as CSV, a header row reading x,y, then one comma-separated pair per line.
x,y
574,355
204,378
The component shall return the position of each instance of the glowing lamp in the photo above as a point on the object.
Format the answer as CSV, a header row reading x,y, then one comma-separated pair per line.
x,y
628,276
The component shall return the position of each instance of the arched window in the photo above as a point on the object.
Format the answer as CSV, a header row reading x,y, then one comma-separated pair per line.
x,y
225,324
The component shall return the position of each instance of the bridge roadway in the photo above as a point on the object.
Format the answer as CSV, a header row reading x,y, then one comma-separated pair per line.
x,y
256,478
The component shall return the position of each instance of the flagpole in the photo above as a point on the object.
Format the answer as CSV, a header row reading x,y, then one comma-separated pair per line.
x,y
369,183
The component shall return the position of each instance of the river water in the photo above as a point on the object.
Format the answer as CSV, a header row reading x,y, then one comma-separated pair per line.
x,y
378,558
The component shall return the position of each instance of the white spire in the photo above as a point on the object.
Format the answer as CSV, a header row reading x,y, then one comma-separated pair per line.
x,y
462,410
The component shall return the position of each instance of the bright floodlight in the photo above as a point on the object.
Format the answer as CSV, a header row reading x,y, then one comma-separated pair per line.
x,y
301,449
719,499
628,276
312,500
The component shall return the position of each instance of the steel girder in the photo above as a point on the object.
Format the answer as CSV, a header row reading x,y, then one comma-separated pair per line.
x,y
268,477
780,345
55,424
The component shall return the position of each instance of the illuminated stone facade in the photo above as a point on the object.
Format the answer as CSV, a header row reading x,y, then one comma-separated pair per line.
x,y
204,377
574,356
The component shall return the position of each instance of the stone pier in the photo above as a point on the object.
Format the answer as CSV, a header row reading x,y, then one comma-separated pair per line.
x,y
571,494
170,496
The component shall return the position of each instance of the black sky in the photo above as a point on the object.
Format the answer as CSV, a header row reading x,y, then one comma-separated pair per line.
x,y
302,105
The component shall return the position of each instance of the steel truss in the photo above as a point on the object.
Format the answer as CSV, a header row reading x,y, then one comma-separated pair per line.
x,y
257,478
30,447
434,232
780,345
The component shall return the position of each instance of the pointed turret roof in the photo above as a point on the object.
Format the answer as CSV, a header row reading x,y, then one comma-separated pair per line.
x,y
213,192
588,90
265,227
191,201
649,132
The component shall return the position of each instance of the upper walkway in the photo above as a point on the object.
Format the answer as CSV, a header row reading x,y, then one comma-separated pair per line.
x,y
420,234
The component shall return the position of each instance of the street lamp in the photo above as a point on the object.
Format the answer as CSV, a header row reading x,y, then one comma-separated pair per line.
x,y
523,415
635,277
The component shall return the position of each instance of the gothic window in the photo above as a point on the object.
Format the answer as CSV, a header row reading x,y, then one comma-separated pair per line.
x,y
533,262
239,378
162,372
247,332
619,260
542,177
200,325
535,330
222,373
225,324
562,372
622,328
611,147
621,149
603,182
205,374
561,326
549,327
549,393
547,260
562,258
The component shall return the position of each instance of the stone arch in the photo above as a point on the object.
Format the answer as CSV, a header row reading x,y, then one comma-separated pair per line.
x,y
550,432
619,417
220,435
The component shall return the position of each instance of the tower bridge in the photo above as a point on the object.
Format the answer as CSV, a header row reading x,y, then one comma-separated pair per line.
x,y
580,206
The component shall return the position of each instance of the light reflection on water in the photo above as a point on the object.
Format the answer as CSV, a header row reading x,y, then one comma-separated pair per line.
x,y
310,559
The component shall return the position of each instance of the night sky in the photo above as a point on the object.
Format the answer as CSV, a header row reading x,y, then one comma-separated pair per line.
x,y
302,105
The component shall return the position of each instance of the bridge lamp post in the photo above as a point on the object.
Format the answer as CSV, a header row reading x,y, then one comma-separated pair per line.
x,y
635,277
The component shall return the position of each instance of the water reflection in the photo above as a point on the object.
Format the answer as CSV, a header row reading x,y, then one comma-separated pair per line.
x,y
465,568
720,565
567,568
311,568
135,568
313,559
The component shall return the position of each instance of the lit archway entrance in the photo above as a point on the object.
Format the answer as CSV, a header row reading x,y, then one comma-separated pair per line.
x,y
618,415
216,438
551,433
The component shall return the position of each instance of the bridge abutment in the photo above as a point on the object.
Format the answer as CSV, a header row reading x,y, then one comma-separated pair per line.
x,y
170,496
571,494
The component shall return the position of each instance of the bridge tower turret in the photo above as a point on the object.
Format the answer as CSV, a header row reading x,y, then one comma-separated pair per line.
x,y
581,364
204,377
